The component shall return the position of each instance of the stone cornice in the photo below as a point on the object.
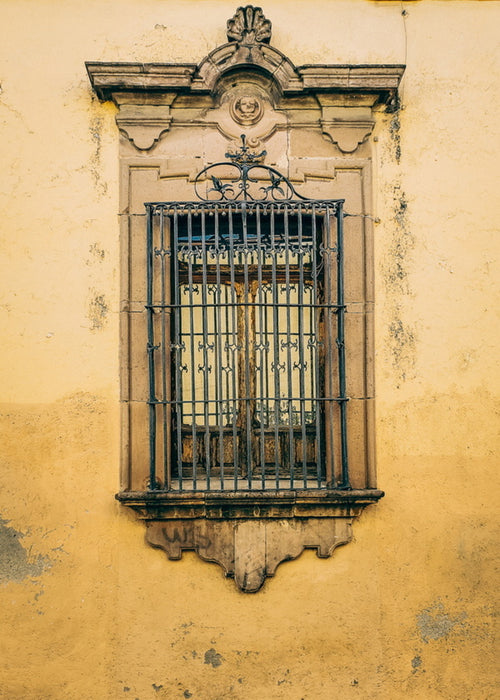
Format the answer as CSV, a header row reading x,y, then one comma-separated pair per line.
x,y
109,78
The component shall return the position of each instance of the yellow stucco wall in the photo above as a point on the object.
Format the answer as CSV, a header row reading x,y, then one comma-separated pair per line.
x,y
405,611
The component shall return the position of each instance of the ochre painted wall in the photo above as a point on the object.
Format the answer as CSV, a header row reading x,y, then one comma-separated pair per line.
x,y
406,610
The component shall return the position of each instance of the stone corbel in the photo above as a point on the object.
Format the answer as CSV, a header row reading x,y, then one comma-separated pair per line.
x,y
346,121
143,124
249,551
346,135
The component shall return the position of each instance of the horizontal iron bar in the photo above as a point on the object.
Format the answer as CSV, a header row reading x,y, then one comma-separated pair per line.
x,y
236,399
237,304
248,206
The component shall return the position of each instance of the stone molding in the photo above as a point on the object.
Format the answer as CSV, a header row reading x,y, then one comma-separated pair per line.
x,y
249,504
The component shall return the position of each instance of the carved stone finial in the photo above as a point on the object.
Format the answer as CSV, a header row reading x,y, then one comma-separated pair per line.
x,y
249,26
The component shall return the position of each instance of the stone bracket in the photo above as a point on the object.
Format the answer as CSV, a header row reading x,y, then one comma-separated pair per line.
x,y
249,534
347,135
346,119
144,124
249,550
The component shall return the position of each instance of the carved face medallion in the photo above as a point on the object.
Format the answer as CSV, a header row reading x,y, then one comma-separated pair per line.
x,y
246,109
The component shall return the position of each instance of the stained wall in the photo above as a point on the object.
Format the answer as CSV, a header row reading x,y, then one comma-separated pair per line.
x,y
406,610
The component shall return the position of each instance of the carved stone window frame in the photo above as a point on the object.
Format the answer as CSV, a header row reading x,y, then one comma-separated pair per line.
x,y
169,114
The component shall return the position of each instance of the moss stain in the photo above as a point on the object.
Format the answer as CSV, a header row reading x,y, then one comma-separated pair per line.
x,y
402,339
395,132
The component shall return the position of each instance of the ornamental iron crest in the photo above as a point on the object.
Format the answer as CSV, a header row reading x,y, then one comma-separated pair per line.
x,y
245,177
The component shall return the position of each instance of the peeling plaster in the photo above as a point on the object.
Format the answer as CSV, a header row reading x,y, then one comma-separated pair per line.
x,y
95,165
213,658
17,564
434,623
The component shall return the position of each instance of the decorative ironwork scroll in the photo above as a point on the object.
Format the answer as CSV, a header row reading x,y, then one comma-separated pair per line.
x,y
245,178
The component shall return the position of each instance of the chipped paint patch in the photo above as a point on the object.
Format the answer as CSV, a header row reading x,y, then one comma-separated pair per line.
x,y
16,564
416,661
95,165
434,623
98,312
402,341
213,658
97,252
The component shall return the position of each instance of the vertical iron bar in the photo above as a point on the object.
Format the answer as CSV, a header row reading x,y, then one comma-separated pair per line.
x,y
204,324
230,378
300,312
219,394
276,348
192,369
164,311
262,345
315,376
291,446
151,348
329,399
246,313
235,350
178,346
341,344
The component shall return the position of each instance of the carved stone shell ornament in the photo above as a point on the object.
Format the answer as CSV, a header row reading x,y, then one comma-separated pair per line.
x,y
249,26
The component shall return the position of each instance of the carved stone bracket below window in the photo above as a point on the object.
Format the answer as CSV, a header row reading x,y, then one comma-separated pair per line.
x,y
249,550
249,534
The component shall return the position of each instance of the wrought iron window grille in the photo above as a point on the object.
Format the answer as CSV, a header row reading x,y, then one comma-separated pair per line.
x,y
246,351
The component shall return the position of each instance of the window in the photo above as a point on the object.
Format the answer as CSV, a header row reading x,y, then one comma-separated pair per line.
x,y
247,355
245,341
